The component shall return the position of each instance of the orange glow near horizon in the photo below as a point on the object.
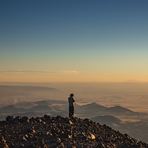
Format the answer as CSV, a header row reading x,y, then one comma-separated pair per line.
x,y
72,76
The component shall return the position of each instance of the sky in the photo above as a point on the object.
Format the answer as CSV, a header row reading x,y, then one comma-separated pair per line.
x,y
73,40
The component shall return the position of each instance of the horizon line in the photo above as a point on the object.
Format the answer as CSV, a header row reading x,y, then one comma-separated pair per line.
x,y
122,82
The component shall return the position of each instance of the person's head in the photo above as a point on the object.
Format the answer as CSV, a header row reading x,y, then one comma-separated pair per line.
x,y
71,95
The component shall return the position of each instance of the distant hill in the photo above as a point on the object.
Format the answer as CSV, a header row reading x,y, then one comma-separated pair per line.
x,y
94,108
108,119
52,106
119,109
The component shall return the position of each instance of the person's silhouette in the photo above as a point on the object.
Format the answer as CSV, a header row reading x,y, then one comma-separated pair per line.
x,y
71,106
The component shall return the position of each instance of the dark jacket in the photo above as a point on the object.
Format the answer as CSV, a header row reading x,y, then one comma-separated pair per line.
x,y
71,101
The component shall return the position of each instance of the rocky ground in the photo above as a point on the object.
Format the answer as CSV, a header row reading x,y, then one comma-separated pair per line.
x,y
59,132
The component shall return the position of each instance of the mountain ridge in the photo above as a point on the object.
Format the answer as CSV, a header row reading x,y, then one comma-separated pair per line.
x,y
60,132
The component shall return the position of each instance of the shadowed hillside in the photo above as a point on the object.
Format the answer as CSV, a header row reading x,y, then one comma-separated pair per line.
x,y
51,132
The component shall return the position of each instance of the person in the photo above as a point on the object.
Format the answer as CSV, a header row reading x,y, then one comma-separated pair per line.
x,y
71,106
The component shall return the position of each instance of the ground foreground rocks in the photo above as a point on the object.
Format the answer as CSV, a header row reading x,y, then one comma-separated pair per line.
x,y
59,132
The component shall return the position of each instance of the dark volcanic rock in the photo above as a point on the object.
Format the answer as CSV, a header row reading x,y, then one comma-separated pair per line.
x,y
59,132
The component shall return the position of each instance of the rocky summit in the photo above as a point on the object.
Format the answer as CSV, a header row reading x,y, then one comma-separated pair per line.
x,y
60,132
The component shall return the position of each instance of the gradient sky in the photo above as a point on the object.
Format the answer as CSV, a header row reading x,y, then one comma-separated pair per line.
x,y
73,40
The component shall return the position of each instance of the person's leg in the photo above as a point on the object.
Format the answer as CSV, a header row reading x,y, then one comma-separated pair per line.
x,y
70,112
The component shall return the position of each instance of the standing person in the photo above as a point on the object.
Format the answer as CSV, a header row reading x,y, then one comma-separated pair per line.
x,y
71,106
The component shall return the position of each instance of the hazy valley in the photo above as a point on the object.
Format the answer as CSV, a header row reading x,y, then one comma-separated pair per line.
x,y
37,100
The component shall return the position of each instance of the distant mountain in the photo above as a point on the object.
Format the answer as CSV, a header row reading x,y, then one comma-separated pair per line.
x,y
11,109
37,108
92,106
40,108
119,109
96,109
108,119
60,106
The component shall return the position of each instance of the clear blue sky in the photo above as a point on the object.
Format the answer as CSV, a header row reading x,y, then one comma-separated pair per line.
x,y
88,40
